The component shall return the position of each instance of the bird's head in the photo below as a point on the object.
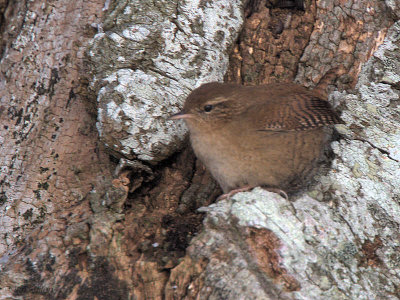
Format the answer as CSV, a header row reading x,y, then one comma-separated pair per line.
x,y
211,105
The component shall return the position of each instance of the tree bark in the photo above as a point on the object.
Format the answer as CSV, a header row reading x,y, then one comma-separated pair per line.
x,y
99,193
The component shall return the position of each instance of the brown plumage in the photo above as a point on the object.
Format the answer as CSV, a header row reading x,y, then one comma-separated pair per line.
x,y
270,135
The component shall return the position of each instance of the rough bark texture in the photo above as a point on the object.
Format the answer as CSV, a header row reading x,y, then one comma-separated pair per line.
x,y
151,55
51,161
75,224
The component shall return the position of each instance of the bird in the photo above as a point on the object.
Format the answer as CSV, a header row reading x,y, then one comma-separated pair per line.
x,y
271,135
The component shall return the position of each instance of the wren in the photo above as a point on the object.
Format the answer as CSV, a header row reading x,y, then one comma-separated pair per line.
x,y
269,135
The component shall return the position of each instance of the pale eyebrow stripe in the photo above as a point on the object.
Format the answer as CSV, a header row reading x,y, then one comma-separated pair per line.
x,y
217,100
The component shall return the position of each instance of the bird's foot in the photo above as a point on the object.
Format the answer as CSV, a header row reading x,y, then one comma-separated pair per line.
x,y
282,193
247,188
233,192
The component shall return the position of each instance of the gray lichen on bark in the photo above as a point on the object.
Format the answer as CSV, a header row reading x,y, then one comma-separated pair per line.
x,y
149,57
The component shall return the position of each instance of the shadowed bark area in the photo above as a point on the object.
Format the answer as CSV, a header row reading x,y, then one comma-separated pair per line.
x,y
73,228
271,43
282,44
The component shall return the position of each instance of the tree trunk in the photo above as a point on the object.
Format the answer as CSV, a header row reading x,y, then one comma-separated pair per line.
x,y
100,193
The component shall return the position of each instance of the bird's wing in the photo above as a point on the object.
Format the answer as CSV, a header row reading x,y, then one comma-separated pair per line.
x,y
300,111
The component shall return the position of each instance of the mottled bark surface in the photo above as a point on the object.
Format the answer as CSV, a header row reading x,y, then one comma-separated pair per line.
x,y
72,228
271,43
50,160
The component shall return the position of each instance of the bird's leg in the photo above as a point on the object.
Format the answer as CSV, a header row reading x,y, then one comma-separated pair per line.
x,y
233,192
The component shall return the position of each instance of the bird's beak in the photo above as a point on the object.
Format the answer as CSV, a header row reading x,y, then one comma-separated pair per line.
x,y
180,115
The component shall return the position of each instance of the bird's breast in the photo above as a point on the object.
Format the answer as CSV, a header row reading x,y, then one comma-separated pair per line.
x,y
252,157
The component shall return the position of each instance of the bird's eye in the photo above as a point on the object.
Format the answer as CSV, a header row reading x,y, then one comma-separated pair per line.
x,y
208,108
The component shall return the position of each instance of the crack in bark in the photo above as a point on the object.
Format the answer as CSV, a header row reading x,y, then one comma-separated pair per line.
x,y
383,151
